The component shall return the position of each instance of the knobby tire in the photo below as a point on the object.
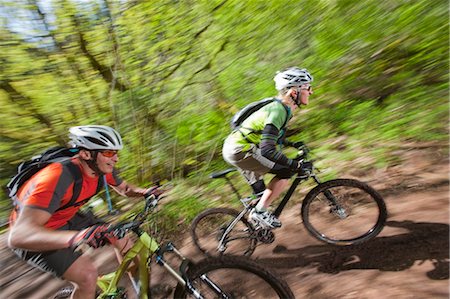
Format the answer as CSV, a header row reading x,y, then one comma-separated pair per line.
x,y
239,277
365,207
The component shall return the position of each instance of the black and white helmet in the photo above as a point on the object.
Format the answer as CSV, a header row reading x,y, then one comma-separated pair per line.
x,y
95,137
290,77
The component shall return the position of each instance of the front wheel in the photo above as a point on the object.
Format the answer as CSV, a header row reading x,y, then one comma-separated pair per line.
x,y
344,212
216,232
233,277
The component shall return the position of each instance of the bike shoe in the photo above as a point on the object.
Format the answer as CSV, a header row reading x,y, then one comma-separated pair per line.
x,y
265,218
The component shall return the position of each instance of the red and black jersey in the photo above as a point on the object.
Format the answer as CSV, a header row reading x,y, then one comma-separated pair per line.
x,y
51,188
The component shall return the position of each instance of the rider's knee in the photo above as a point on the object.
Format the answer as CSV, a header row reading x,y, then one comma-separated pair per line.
x,y
84,273
284,182
258,187
123,245
278,181
91,278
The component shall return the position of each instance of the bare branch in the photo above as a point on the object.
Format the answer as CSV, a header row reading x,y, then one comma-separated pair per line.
x,y
26,102
206,66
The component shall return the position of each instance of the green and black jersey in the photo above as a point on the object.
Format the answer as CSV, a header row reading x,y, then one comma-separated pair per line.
x,y
264,128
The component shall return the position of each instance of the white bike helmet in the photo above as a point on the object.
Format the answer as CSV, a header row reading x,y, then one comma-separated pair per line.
x,y
95,137
292,76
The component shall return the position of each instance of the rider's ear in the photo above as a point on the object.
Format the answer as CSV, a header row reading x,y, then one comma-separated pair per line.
x,y
292,93
84,154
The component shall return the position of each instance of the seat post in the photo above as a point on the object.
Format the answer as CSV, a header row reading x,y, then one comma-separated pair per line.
x,y
233,188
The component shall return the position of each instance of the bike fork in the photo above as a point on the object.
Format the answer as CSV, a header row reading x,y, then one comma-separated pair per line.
x,y
183,278
336,208
213,286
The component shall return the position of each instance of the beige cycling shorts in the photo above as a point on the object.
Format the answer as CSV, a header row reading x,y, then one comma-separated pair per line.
x,y
250,163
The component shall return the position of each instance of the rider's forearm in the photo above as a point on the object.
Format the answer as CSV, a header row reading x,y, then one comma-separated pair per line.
x,y
38,238
129,190
29,232
268,147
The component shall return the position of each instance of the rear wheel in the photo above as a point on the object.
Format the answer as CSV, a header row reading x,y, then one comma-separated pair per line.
x,y
233,277
208,228
344,212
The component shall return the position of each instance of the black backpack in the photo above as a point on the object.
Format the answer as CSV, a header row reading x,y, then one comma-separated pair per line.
x,y
58,154
248,110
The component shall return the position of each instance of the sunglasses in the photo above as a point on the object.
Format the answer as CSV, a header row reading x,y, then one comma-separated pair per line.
x,y
308,88
108,153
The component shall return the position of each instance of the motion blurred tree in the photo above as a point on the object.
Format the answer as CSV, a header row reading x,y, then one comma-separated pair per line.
x,y
169,74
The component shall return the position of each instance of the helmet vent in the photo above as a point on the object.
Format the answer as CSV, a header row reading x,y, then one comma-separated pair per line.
x,y
107,137
96,141
119,140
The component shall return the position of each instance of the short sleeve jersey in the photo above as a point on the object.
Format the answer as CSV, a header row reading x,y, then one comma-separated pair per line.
x,y
274,113
52,187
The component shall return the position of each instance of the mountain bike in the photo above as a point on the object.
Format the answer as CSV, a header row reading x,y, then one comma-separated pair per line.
x,y
225,277
339,212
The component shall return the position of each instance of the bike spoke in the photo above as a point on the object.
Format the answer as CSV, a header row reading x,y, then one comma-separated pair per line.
x,y
217,232
235,278
345,212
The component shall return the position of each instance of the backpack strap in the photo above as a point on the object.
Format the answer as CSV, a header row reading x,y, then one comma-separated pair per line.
x,y
288,112
101,183
238,128
77,183
286,108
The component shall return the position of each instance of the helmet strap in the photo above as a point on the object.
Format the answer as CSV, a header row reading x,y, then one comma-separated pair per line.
x,y
297,98
92,163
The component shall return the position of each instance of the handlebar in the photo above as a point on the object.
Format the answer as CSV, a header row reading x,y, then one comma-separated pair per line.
x,y
303,151
119,230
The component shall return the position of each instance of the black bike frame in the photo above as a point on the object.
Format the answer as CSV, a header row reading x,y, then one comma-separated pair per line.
x,y
281,206
291,190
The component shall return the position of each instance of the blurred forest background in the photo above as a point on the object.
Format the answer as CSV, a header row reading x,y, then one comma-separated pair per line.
x,y
169,74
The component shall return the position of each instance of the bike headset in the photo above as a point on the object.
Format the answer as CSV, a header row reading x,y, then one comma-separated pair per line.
x,y
292,77
95,138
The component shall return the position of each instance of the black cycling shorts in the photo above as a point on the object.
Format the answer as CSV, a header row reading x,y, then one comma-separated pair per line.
x,y
58,261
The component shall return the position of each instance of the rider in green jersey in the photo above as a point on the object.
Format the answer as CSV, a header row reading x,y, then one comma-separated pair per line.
x,y
254,146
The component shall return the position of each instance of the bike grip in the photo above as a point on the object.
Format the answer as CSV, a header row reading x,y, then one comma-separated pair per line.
x,y
119,233
150,192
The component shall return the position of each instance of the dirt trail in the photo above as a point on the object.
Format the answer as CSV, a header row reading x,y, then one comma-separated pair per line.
x,y
409,259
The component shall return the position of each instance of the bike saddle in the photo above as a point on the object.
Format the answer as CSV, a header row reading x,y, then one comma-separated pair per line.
x,y
221,174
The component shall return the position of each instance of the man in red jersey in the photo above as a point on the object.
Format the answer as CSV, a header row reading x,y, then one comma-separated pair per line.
x,y
46,226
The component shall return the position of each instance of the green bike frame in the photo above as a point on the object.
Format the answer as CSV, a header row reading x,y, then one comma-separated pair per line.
x,y
143,248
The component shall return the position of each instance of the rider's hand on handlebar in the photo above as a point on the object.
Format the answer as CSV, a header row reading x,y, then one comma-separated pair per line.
x,y
305,168
297,144
302,167
95,236
155,191
296,165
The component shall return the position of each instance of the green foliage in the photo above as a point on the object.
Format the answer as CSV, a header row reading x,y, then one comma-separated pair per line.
x,y
169,75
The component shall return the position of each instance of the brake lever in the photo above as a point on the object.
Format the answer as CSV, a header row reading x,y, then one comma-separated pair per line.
x,y
119,230
150,202
120,233
304,148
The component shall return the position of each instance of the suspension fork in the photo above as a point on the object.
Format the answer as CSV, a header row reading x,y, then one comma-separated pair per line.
x,y
327,193
214,287
182,276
